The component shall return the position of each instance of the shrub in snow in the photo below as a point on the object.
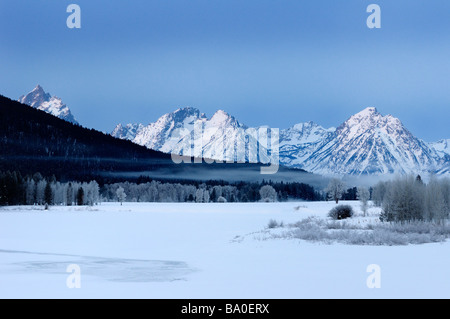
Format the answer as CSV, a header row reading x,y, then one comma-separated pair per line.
x,y
341,212
274,224
388,234
310,229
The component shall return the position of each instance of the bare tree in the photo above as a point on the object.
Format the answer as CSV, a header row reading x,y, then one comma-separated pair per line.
x,y
379,191
436,207
363,195
121,195
335,189
199,195
405,200
268,194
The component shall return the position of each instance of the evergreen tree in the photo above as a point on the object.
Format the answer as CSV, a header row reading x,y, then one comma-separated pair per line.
x,y
69,194
48,194
419,179
213,195
80,196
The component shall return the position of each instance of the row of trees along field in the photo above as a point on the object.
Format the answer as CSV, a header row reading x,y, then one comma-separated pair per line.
x,y
408,198
156,191
37,190
30,190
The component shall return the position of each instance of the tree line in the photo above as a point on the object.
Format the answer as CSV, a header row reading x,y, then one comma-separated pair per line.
x,y
209,191
35,189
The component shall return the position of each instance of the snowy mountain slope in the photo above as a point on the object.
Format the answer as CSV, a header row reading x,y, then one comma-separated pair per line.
x,y
368,143
299,142
43,101
445,171
186,131
158,135
442,147
128,131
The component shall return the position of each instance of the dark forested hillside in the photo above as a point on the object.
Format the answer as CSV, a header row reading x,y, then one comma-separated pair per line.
x,y
26,130
32,140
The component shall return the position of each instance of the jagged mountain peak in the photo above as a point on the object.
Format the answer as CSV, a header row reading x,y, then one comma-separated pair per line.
x,y
369,114
38,90
221,118
186,110
368,111
38,87
127,131
41,100
370,143
180,115
221,113
35,97
370,119
167,134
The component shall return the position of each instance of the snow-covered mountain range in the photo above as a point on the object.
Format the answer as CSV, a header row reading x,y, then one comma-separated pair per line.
x,y
43,101
368,143
220,137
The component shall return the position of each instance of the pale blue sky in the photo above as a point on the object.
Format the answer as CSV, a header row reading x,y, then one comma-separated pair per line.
x,y
264,61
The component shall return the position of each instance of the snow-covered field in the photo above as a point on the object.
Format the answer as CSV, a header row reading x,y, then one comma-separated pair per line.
x,y
160,250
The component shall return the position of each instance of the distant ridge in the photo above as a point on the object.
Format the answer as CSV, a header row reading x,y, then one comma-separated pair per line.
x,y
368,143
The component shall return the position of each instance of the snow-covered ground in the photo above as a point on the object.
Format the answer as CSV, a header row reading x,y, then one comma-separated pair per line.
x,y
163,250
